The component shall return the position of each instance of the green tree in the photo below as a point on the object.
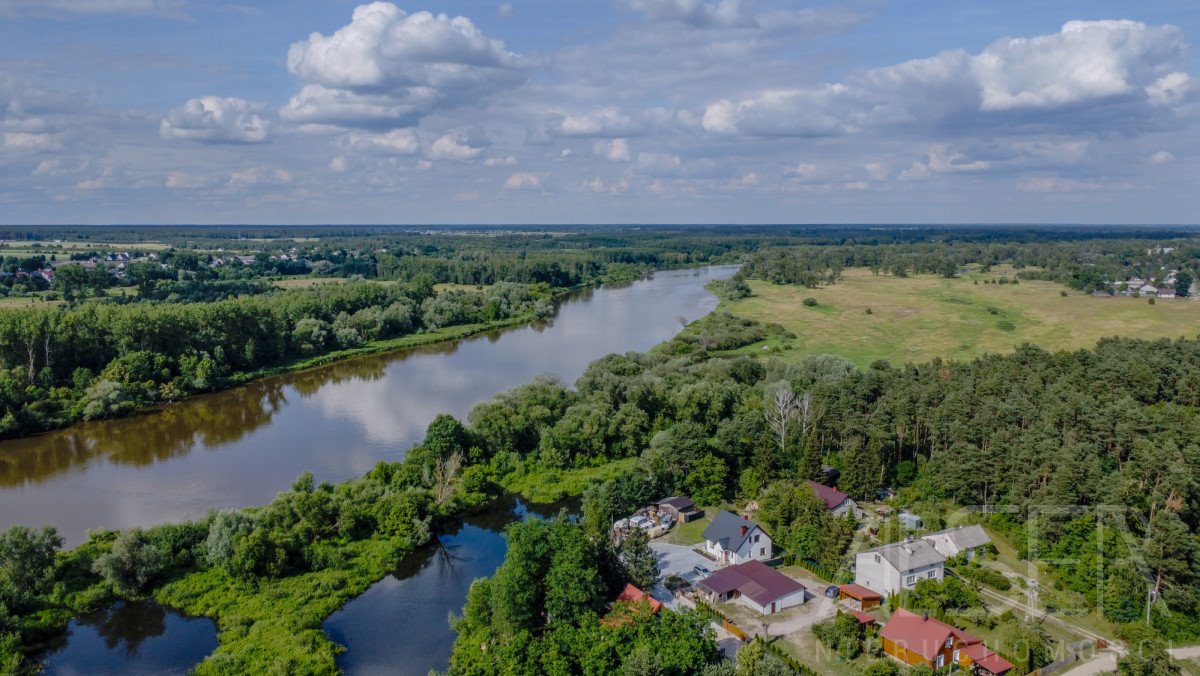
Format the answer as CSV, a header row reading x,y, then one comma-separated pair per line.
x,y
706,480
131,564
1026,644
1183,283
641,565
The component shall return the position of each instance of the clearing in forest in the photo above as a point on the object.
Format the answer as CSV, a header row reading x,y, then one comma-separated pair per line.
x,y
913,319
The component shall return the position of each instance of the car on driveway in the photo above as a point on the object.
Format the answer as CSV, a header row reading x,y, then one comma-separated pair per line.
x,y
701,571
832,591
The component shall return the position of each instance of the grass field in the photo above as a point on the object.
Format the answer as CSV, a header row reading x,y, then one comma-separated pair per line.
x,y
914,319
306,282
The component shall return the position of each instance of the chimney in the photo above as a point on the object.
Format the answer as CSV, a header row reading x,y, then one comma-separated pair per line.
x,y
744,529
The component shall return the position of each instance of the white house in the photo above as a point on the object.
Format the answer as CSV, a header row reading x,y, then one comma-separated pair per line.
x,y
730,539
755,586
898,566
837,502
951,541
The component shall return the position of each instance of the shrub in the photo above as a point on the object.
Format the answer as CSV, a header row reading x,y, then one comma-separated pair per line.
x,y
132,563
1063,294
1152,301
810,302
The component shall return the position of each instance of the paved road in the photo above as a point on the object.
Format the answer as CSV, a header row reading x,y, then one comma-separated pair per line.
x,y
1103,663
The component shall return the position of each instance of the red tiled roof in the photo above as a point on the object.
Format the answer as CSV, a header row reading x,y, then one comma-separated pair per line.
x,y
995,664
632,593
862,617
926,637
857,591
832,496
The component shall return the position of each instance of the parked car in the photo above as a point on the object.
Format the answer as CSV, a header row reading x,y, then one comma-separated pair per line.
x,y
832,591
702,571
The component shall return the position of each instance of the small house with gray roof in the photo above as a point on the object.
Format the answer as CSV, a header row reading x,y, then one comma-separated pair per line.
x,y
954,541
898,566
731,539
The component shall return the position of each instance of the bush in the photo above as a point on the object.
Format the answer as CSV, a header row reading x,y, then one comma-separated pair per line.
x,y
132,563
810,302
1063,294
1152,301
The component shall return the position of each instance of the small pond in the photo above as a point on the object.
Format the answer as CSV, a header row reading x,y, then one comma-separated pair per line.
x,y
401,624
132,638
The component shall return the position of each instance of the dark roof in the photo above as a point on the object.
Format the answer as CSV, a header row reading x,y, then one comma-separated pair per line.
x,y
726,529
753,579
832,496
679,503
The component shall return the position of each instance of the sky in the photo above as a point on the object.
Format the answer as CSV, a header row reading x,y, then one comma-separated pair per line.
x,y
599,111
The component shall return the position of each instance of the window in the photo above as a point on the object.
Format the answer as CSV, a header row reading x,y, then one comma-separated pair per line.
x,y
949,641
756,538
910,580
941,661
762,551
932,574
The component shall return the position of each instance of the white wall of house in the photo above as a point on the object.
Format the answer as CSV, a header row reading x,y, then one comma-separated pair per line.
x,y
794,599
848,506
875,573
758,546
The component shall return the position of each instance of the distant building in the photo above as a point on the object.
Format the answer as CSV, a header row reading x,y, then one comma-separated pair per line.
x,y
756,586
836,501
899,566
681,509
1166,292
730,539
1148,290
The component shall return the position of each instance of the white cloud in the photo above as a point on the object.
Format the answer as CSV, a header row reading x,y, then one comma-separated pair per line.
x,y
607,122
453,146
508,161
388,68
616,150
659,164
1161,157
214,119
876,171
523,181
339,164
26,142
721,13
505,10
182,180
1052,184
943,161
1087,63
252,176
394,142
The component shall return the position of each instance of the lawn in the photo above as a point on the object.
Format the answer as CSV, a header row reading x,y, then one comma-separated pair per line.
x,y
691,533
306,282
914,319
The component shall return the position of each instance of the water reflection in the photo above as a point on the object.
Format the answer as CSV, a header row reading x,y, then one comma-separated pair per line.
x,y
132,638
400,625
242,446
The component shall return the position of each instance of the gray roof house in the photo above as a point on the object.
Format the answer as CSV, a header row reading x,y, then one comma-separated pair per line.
x,y
952,541
731,539
898,566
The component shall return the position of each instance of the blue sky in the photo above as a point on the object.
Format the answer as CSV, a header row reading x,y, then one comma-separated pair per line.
x,y
675,111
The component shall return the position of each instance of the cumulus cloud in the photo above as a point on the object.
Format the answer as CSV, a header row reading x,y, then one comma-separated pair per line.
x,y
508,161
607,122
387,68
1161,157
523,181
943,161
214,119
616,150
453,146
1086,63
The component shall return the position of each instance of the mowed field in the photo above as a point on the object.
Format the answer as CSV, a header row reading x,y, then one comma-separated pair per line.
x,y
914,319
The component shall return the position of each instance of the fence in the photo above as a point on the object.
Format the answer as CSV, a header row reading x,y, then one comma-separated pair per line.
x,y
817,570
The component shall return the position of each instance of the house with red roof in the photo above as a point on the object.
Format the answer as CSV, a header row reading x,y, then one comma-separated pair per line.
x,y
836,501
916,639
632,594
755,585
631,605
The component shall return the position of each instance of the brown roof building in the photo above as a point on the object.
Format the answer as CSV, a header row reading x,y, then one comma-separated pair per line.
x,y
755,585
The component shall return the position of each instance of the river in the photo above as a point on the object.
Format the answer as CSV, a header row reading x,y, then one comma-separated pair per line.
x,y
241,446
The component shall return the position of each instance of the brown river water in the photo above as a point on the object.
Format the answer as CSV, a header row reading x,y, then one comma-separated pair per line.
x,y
241,446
